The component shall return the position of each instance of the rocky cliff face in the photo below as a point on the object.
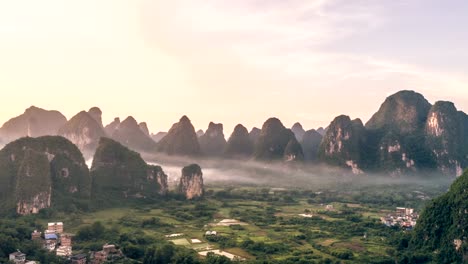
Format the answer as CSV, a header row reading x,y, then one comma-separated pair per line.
x,y
156,173
144,127
84,131
446,137
343,143
273,140
191,182
158,136
42,172
397,130
239,143
443,225
120,173
34,168
310,144
404,112
34,122
213,143
293,151
298,131
96,114
114,125
130,134
180,140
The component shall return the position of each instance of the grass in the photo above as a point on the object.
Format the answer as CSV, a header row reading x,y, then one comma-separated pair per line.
x,y
288,228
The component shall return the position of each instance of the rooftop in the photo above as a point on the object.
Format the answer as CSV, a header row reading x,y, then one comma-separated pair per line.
x,y
51,236
57,223
17,253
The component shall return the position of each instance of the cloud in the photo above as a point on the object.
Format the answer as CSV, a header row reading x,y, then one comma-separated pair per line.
x,y
281,46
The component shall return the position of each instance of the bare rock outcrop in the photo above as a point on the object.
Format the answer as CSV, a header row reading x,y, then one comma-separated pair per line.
x,y
447,138
191,182
343,143
33,171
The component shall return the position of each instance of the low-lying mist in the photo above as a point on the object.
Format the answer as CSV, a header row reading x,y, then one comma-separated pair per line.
x,y
225,172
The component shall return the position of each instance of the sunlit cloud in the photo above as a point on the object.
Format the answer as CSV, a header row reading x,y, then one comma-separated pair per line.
x,y
216,60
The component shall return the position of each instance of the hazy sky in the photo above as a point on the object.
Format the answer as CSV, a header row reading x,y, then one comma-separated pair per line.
x,y
236,61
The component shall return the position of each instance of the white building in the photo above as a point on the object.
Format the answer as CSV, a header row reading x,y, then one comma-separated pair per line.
x,y
64,251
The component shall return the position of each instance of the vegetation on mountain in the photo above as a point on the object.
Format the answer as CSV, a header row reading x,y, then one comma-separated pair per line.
x,y
239,143
344,143
180,140
49,165
273,139
442,228
403,112
212,142
310,144
119,173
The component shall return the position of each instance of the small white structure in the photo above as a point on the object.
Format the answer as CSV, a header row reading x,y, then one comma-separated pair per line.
x,y
306,215
50,245
174,235
221,253
329,207
230,222
211,233
195,241
18,257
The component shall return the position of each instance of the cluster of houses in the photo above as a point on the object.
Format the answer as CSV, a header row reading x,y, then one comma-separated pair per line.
x,y
20,258
54,239
108,253
403,217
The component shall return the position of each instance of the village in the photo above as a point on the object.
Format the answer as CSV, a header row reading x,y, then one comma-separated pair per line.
x,y
403,217
54,239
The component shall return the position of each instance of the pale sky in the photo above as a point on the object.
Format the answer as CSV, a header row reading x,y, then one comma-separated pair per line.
x,y
237,61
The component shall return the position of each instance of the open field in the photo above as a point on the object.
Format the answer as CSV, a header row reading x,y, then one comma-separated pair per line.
x,y
253,223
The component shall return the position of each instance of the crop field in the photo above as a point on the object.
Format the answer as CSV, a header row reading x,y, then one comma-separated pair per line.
x,y
254,224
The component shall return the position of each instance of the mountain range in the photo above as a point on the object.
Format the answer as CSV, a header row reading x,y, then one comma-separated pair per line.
x,y
50,172
406,135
